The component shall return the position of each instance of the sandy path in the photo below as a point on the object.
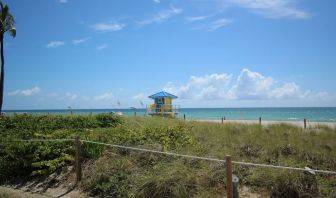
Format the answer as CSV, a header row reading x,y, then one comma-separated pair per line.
x,y
51,192
10,192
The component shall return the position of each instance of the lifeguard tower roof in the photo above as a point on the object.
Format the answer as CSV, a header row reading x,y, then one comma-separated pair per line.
x,y
162,94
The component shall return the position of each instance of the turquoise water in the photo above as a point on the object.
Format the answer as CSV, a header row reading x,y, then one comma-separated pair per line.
x,y
320,114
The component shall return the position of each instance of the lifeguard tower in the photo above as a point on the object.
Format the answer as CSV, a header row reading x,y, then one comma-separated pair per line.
x,y
162,105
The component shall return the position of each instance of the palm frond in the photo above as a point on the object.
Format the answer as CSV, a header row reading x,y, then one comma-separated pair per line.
x,y
12,31
4,12
6,20
9,22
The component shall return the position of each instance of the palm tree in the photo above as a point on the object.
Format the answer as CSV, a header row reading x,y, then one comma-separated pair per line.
x,y
6,25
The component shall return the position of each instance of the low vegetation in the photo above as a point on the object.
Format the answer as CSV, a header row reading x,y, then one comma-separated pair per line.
x,y
122,173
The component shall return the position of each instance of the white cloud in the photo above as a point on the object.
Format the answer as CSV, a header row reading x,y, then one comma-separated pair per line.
x,y
140,96
81,40
101,47
63,1
70,96
54,44
104,96
63,96
196,18
108,27
272,8
322,97
26,92
162,16
288,91
156,1
218,24
249,85
142,99
203,87
253,85
86,98
214,25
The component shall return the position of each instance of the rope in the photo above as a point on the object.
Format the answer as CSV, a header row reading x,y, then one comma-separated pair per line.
x,y
179,155
213,159
284,167
152,151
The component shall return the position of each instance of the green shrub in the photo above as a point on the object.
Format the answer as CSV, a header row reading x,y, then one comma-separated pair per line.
x,y
108,120
168,182
110,178
92,151
33,158
25,124
283,183
295,185
170,138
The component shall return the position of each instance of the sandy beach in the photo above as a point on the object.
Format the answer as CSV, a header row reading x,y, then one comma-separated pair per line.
x,y
267,122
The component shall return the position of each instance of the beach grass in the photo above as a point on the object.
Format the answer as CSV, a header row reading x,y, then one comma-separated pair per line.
x,y
123,173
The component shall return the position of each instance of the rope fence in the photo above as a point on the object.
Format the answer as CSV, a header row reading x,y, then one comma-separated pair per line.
x,y
176,154
212,159
78,166
153,151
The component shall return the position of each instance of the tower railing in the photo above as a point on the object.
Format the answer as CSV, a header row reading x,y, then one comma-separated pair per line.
x,y
163,109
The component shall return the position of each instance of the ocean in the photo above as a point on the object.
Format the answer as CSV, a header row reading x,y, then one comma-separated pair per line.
x,y
314,114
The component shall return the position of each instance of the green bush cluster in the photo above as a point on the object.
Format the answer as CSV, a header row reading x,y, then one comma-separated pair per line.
x,y
39,158
169,137
34,158
23,125
164,138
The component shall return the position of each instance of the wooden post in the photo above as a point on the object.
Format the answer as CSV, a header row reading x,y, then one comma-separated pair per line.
x,y
304,123
222,120
78,164
259,120
184,117
229,190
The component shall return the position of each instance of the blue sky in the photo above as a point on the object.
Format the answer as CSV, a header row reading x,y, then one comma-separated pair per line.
x,y
210,53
